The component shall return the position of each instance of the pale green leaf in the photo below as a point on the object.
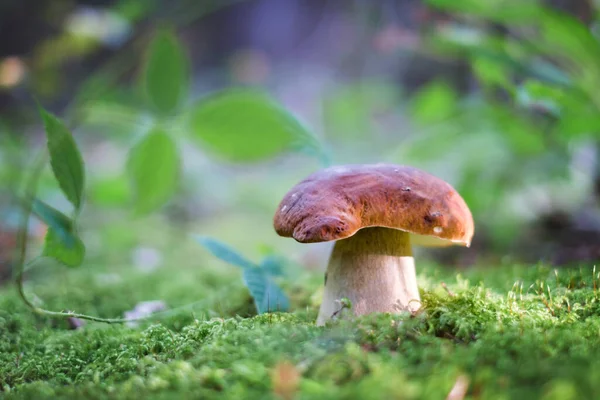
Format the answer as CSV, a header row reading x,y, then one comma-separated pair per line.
x,y
153,167
112,191
244,125
166,76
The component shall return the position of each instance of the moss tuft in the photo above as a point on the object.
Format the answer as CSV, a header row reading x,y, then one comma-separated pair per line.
x,y
519,332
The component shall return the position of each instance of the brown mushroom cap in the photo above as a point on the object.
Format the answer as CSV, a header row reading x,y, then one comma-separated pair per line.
x,y
336,202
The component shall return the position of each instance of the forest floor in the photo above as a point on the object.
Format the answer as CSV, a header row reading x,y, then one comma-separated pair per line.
x,y
493,332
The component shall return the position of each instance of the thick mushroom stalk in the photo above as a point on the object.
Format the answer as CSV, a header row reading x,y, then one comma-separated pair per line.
x,y
375,270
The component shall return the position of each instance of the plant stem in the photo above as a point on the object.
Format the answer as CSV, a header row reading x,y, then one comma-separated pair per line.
x,y
22,264
23,234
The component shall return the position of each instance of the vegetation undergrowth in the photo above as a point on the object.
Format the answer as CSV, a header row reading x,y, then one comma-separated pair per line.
x,y
503,332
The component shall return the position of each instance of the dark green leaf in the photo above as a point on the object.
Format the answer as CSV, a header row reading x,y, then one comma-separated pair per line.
x,y
166,74
246,126
267,296
65,158
70,255
153,168
224,252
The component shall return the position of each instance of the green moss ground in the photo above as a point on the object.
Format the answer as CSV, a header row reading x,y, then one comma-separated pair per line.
x,y
541,341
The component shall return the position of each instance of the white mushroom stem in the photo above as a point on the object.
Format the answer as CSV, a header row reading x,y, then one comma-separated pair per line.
x,y
375,270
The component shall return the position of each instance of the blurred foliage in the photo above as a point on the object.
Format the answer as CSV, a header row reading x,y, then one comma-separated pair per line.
x,y
517,128
531,107
536,69
153,164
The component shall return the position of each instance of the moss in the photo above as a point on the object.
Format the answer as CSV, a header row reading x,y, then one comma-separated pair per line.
x,y
514,332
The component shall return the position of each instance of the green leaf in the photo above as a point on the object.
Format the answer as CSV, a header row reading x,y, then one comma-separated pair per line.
x,y
153,167
224,252
69,255
436,102
578,122
496,10
244,126
65,159
166,74
268,297
59,223
576,115
112,191
272,265
564,35
492,73
61,242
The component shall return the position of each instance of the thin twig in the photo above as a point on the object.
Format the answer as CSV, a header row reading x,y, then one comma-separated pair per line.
x,y
22,264
450,293
23,234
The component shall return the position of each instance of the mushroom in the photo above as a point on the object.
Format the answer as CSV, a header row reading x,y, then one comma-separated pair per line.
x,y
374,213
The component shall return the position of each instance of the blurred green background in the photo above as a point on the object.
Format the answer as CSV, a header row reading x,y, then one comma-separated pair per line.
x,y
196,117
